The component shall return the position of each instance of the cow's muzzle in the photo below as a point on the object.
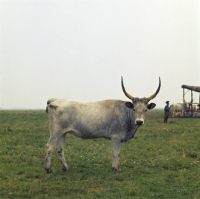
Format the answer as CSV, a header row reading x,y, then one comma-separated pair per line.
x,y
139,122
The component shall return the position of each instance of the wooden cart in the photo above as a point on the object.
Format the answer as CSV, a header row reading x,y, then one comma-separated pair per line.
x,y
192,108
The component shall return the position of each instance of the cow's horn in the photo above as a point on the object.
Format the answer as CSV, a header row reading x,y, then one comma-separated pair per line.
x,y
127,95
158,89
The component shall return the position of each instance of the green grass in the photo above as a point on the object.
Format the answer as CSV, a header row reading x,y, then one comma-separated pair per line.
x,y
162,161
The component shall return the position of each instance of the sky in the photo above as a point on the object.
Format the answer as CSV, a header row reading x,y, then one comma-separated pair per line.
x,y
79,49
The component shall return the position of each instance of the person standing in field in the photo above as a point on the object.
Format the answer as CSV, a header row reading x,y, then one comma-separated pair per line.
x,y
166,112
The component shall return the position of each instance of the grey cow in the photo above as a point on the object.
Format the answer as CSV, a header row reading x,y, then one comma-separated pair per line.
x,y
116,120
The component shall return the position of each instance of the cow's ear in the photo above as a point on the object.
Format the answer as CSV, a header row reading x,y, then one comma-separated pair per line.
x,y
129,105
151,106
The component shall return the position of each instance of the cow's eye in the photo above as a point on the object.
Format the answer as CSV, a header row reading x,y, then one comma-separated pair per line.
x,y
134,110
145,110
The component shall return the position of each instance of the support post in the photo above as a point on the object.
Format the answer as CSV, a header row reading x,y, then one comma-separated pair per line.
x,y
191,97
191,107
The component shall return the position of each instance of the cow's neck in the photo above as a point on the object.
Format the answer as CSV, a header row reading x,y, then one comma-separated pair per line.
x,y
132,127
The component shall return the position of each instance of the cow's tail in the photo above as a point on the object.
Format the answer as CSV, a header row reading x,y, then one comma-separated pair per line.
x,y
49,104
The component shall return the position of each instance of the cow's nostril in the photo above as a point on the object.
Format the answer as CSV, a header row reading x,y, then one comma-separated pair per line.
x,y
139,122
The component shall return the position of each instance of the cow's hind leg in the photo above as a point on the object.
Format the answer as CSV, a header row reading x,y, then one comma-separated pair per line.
x,y
60,150
115,145
49,151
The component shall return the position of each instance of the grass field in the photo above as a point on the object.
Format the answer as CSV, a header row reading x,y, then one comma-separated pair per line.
x,y
162,161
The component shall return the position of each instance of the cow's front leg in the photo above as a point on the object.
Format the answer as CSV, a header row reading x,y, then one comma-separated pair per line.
x,y
115,145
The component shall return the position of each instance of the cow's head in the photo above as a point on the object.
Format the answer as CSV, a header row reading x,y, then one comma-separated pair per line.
x,y
140,105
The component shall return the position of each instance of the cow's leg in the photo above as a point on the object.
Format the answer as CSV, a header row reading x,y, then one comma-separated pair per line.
x,y
49,150
115,145
60,149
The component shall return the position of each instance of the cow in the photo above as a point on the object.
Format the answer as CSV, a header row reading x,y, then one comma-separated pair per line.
x,y
182,109
196,114
177,110
115,120
189,109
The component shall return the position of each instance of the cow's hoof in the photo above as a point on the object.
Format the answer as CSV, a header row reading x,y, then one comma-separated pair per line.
x,y
48,170
65,169
116,169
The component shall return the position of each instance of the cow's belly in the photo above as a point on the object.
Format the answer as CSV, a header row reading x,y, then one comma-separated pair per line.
x,y
89,134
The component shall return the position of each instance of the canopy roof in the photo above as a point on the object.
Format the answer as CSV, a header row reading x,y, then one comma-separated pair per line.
x,y
192,88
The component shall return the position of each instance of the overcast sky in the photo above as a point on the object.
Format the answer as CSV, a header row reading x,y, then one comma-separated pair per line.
x,y
79,49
